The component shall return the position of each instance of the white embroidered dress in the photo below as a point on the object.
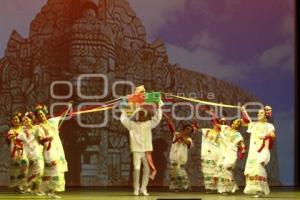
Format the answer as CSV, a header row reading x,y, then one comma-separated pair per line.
x,y
19,162
34,151
229,140
256,176
210,151
55,161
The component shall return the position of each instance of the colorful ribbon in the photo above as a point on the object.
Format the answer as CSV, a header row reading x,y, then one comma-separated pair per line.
x,y
93,110
65,114
204,102
18,145
264,143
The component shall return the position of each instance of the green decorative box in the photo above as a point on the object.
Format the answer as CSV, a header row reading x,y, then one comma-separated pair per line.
x,y
152,97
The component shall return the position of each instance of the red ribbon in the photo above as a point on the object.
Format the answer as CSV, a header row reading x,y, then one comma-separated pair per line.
x,y
170,124
49,145
245,118
151,163
177,139
195,125
241,152
10,135
18,145
46,139
264,143
26,133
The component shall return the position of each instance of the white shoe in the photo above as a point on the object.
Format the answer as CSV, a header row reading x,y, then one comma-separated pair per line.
x,y
39,193
258,195
28,190
53,196
145,193
20,190
136,193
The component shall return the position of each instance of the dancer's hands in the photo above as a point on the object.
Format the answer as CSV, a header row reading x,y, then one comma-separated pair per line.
x,y
243,109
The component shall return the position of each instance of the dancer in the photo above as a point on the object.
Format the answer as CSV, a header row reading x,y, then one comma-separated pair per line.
x,y
262,135
141,143
210,152
54,155
34,153
231,145
141,90
269,115
139,93
181,142
19,162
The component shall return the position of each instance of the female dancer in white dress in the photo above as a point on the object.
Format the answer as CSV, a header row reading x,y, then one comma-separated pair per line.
x,y
34,153
210,151
231,145
181,142
54,155
19,162
262,135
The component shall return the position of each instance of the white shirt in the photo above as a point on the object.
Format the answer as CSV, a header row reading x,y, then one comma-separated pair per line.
x,y
140,132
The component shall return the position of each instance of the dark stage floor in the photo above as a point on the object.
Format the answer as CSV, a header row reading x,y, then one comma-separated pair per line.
x,y
155,193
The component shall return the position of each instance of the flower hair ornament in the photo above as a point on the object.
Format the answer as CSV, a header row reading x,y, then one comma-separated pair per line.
x,y
41,107
17,114
30,115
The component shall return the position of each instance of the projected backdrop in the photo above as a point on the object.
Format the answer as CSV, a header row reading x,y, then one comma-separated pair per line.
x,y
77,49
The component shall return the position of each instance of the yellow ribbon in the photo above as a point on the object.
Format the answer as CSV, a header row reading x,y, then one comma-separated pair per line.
x,y
205,102
93,110
108,107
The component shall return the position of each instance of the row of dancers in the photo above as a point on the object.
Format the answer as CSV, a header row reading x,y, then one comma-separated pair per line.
x,y
39,163
221,146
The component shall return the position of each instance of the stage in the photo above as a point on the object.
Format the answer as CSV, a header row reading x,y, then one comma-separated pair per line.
x,y
155,193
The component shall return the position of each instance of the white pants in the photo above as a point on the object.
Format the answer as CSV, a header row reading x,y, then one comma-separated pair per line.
x,y
138,158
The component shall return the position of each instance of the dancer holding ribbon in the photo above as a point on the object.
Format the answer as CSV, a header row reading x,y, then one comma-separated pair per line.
x,y
55,161
181,142
141,143
261,139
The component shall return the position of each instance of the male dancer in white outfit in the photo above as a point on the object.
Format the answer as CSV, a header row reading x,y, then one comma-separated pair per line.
x,y
140,143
